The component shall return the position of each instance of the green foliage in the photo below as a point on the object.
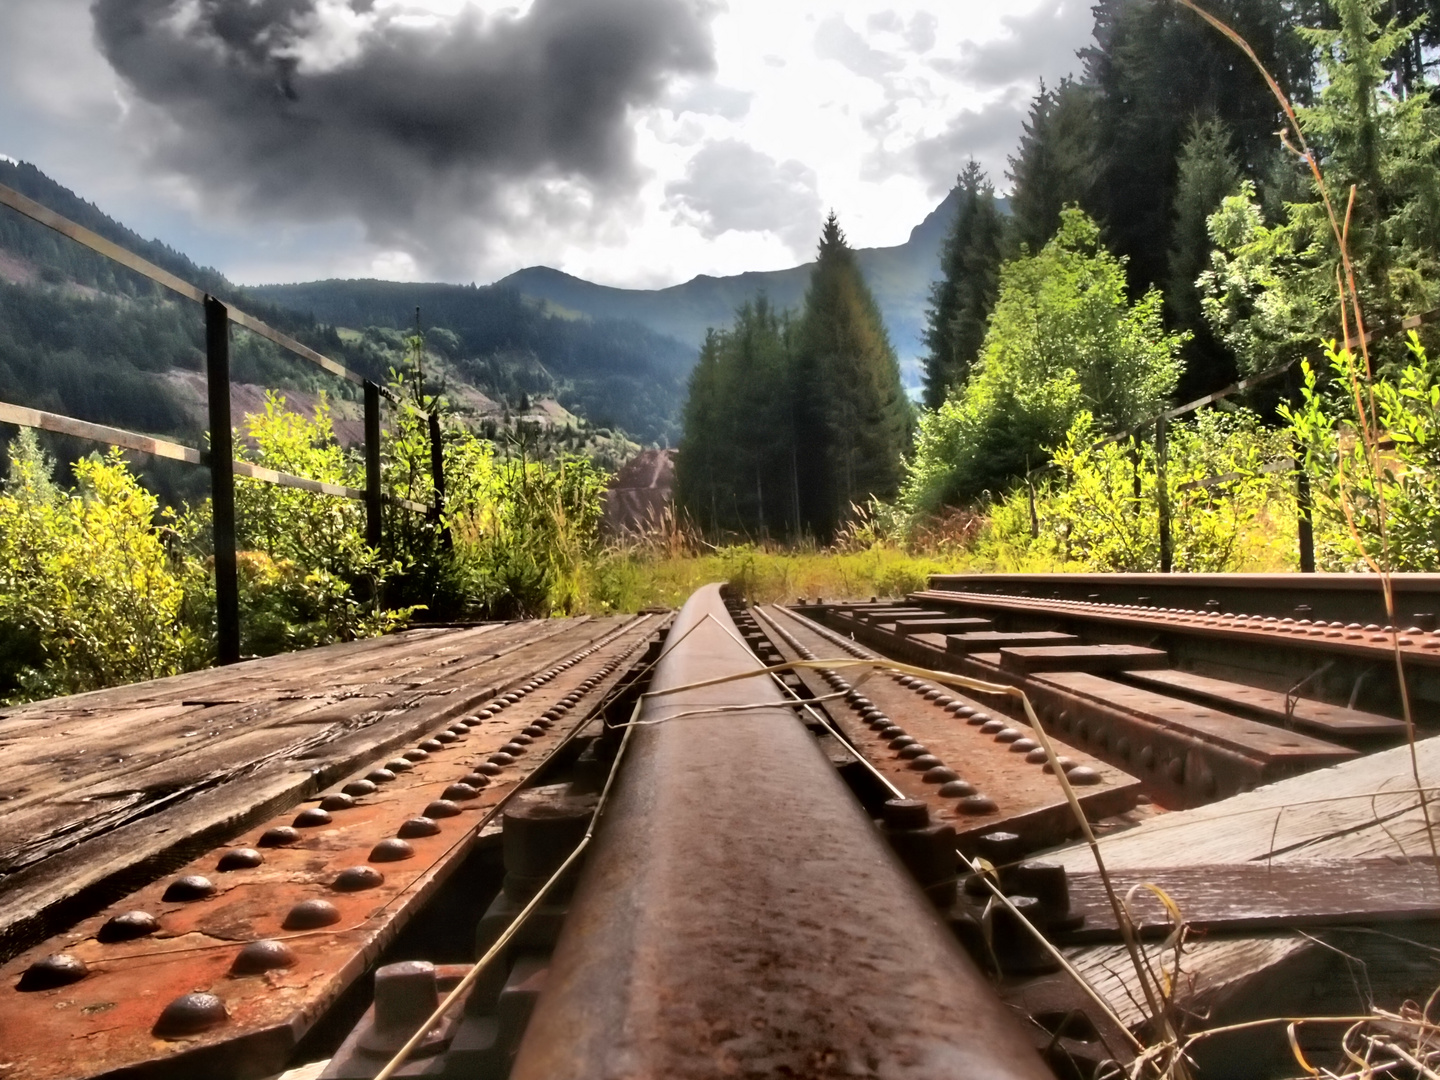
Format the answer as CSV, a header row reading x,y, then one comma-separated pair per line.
x,y
86,577
961,300
737,469
1057,162
1062,340
1271,289
1208,173
852,419
788,425
1097,510
1380,508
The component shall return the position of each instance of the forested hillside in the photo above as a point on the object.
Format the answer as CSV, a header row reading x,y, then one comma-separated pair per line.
x,y
82,336
614,372
899,277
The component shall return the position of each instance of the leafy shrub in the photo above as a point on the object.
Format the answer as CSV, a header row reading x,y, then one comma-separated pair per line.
x,y
1062,340
1380,508
87,579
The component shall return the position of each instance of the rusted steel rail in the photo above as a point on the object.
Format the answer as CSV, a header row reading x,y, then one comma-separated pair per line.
x,y
739,915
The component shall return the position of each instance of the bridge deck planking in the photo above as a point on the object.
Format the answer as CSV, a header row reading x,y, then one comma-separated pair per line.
x,y
275,757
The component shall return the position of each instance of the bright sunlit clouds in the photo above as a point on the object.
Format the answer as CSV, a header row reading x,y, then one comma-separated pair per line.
x,y
632,142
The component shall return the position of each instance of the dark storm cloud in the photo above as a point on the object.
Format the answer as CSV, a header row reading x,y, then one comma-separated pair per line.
x,y
729,186
313,107
1039,43
987,134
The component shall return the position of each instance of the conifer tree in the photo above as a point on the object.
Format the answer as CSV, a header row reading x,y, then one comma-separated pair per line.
x,y
1208,173
1056,164
853,417
961,300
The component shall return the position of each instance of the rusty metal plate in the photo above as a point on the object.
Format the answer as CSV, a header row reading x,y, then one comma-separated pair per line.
x,y
103,1023
1032,658
991,640
1250,737
1025,799
1346,639
1332,721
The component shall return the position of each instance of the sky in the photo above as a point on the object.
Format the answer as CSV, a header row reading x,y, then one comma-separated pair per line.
x,y
631,142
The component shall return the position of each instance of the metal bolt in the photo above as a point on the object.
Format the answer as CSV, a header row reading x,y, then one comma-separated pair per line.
x,y
280,836
502,759
191,887
1037,756
475,780
458,792
939,774
441,808
311,915
1083,774
440,739
415,755
128,927
925,762
430,746
1024,746
990,727
901,741
905,814
1007,735
392,850
399,765
190,1014
262,956
61,969
312,818
1000,847
240,858
956,789
337,802
358,788
357,878
912,750
380,776
417,826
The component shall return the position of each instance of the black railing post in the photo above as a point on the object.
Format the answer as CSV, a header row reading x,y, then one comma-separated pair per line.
x,y
1162,497
222,481
1306,525
437,475
374,508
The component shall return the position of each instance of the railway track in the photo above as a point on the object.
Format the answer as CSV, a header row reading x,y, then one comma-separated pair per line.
x,y
740,842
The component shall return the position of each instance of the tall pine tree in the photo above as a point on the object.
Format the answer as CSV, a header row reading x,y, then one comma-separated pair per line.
x,y
1208,173
852,414
961,300
1056,164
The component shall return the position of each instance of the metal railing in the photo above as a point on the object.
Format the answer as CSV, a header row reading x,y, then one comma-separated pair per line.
x,y
220,458
1160,422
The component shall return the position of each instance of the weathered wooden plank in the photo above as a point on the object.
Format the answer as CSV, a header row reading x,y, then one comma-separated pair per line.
x,y
1249,897
1347,810
944,625
106,853
1025,659
1331,721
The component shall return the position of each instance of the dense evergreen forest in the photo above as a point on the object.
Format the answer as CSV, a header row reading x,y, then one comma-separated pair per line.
x,y
81,335
1162,235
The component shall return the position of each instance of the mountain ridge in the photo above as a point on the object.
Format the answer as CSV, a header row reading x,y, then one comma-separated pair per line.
x,y
899,276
